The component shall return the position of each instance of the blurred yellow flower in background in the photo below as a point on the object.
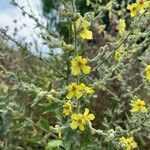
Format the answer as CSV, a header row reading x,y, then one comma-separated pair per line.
x,y
142,4
134,9
129,142
138,106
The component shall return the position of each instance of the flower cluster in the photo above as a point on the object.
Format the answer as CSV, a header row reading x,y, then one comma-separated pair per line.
x,y
129,143
79,65
138,106
137,7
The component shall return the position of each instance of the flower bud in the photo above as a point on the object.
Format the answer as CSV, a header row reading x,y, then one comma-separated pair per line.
x,y
50,97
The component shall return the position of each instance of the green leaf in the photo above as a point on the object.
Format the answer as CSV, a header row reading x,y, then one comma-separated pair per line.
x,y
50,86
17,127
64,30
51,107
38,98
44,125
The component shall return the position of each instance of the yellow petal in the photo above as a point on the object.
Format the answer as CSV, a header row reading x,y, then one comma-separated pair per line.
x,y
148,76
86,112
66,112
74,63
81,86
134,110
81,127
78,58
75,116
129,7
86,34
84,61
75,71
147,68
89,90
85,23
86,69
78,94
91,117
74,125
70,95
122,139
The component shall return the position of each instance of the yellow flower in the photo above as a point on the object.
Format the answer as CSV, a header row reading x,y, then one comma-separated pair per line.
x,y
67,108
88,117
83,26
121,27
128,142
134,9
74,90
143,4
147,71
138,106
78,122
117,55
79,64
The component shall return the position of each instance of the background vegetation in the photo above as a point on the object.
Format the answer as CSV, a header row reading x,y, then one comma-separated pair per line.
x,y
30,120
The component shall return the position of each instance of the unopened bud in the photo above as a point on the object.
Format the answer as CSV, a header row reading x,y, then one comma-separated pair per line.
x,y
50,97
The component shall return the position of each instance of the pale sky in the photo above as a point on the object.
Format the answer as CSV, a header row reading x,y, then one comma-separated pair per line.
x,y
8,13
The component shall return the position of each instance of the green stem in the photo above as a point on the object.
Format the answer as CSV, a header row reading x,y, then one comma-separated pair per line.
x,y
145,119
75,45
75,28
